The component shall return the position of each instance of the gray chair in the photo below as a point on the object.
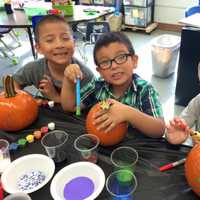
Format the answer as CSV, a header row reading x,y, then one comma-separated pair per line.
x,y
92,32
7,51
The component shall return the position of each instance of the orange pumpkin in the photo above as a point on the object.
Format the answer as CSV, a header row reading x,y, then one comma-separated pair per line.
x,y
192,169
18,109
106,139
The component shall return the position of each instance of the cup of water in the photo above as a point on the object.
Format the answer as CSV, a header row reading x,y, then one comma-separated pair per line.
x,y
55,144
18,196
87,147
4,155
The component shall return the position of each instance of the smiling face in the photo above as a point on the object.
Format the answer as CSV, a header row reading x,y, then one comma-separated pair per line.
x,y
119,75
56,43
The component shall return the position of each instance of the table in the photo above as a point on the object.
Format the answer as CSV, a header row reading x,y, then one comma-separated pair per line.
x,y
152,184
19,19
193,20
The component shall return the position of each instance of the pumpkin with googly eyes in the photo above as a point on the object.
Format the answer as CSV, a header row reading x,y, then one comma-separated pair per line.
x,y
110,138
18,109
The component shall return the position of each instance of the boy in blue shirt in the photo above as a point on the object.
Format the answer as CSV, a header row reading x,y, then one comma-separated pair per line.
x,y
133,99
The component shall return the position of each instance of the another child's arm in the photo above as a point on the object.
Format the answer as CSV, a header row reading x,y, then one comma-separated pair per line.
x,y
118,112
68,93
177,131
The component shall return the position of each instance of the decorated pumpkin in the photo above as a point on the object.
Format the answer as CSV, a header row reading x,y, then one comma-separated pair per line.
x,y
106,139
18,109
192,169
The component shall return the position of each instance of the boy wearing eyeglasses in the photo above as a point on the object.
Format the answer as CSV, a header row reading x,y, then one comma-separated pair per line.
x,y
133,99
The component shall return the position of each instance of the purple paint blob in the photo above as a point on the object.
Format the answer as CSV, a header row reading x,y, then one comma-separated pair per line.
x,y
78,188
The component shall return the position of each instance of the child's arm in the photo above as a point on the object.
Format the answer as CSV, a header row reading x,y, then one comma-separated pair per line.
x,y
48,89
118,112
68,93
17,86
177,131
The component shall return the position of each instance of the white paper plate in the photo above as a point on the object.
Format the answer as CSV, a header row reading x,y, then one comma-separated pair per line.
x,y
23,165
86,169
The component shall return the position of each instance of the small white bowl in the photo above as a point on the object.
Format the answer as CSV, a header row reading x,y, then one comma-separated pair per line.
x,y
23,165
86,169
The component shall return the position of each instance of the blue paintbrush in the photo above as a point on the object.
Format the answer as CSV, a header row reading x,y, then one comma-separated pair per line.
x,y
78,98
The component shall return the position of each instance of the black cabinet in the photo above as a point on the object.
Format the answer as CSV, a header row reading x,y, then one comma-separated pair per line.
x,y
188,84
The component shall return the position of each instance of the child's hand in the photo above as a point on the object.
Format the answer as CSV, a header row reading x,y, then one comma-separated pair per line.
x,y
47,88
107,119
72,72
177,131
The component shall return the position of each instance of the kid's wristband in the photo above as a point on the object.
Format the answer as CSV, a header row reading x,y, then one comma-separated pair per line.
x,y
166,134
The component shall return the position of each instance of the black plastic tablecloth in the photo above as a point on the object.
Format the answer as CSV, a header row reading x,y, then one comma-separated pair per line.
x,y
153,153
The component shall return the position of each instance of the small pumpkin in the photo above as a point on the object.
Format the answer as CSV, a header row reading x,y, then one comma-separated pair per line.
x,y
106,139
18,109
192,169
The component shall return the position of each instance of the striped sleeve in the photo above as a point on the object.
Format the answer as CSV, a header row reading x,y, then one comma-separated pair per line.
x,y
88,93
150,102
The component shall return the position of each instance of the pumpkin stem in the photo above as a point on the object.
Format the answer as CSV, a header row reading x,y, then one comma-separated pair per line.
x,y
8,84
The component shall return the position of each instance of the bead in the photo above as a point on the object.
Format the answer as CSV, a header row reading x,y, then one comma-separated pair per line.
x,y
13,146
39,102
37,134
51,104
21,142
44,102
51,126
44,129
30,138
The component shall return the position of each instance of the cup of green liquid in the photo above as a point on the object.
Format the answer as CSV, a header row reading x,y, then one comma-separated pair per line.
x,y
124,157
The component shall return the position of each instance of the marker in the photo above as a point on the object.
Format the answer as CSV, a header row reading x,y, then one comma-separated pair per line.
x,y
1,192
172,165
78,98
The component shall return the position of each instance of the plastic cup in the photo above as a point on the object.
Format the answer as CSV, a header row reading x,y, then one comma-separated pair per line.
x,y
87,145
4,155
55,144
124,158
18,196
119,186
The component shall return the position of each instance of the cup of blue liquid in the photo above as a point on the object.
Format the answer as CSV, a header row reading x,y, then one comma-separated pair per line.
x,y
121,185
56,145
124,157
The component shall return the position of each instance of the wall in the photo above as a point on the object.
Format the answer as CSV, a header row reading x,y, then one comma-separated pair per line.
x,y
170,11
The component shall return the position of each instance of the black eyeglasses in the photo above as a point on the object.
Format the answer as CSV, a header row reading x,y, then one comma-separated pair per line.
x,y
120,59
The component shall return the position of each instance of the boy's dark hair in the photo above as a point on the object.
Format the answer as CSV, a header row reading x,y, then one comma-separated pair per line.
x,y
111,37
46,19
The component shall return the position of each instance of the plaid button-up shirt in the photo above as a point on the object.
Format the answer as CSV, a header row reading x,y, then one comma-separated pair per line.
x,y
140,95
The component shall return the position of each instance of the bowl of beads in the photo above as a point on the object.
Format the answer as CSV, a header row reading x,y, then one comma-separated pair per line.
x,y
80,180
28,173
